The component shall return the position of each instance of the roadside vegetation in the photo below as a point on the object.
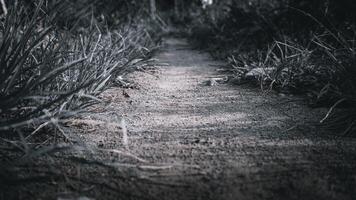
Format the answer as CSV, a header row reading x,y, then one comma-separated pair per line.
x,y
56,58
294,47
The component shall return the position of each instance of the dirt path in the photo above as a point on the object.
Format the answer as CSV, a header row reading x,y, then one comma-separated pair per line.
x,y
231,142
197,141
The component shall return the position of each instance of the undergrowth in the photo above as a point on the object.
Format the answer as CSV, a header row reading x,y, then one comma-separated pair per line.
x,y
56,58
294,47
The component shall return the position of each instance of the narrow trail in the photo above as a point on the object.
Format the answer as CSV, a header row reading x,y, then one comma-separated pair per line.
x,y
223,141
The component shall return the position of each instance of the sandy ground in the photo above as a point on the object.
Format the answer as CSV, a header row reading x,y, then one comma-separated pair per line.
x,y
189,139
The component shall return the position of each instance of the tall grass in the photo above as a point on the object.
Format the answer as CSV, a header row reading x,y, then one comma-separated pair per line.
x,y
50,73
56,58
301,47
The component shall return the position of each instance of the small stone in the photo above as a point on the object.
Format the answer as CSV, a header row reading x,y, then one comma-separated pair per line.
x,y
101,144
211,82
282,95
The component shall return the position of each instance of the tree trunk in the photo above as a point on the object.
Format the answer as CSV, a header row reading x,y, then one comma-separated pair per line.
x,y
153,8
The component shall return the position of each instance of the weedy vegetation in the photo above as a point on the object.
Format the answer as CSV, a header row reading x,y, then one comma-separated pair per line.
x,y
294,47
56,58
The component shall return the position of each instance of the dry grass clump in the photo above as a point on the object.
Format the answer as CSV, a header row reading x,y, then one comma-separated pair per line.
x,y
49,73
55,66
289,46
56,58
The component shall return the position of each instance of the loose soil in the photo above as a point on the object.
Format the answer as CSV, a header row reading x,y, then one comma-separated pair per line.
x,y
189,137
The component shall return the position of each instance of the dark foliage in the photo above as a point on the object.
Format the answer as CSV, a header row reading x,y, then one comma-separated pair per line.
x,y
303,47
